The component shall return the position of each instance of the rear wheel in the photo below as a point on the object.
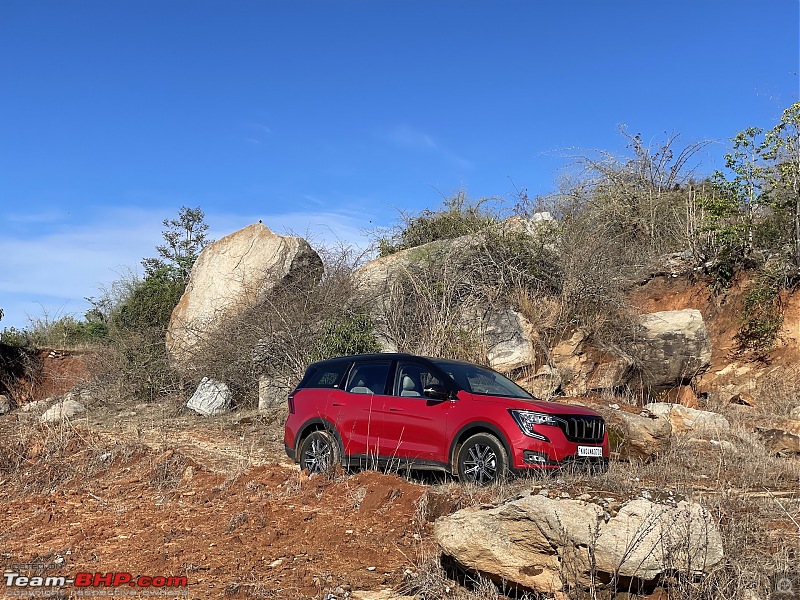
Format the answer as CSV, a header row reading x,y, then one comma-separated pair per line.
x,y
319,452
482,460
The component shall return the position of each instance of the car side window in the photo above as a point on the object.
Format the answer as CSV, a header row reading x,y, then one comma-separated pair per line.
x,y
368,377
412,379
328,376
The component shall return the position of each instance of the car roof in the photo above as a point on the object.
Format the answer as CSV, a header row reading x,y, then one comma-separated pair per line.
x,y
391,355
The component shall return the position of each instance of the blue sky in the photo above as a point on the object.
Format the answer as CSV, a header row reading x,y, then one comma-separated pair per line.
x,y
326,117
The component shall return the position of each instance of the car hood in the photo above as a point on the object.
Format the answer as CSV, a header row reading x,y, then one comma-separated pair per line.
x,y
554,408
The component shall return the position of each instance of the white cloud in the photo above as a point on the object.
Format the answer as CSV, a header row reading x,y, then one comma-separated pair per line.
x,y
50,270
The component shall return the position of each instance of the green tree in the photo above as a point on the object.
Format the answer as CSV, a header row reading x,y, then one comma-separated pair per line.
x,y
781,146
138,323
352,333
151,302
184,239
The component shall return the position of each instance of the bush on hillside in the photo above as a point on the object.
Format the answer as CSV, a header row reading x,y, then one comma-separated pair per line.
x,y
456,217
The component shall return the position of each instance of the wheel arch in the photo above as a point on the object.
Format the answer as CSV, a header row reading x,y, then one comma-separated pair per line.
x,y
471,429
316,424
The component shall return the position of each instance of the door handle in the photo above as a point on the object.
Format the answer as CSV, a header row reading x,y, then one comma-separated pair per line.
x,y
393,409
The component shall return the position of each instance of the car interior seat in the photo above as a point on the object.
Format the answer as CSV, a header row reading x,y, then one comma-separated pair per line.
x,y
409,387
360,387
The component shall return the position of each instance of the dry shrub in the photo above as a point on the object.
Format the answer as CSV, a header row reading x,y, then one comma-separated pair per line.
x,y
280,335
440,295
778,391
40,458
20,372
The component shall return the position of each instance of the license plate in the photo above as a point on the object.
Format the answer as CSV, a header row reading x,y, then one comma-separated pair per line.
x,y
590,451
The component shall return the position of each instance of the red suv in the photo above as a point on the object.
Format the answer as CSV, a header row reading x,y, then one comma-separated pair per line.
x,y
429,413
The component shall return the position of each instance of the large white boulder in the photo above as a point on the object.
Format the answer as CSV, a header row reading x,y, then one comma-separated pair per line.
x,y
231,275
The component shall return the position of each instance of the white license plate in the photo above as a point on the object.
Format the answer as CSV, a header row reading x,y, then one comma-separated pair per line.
x,y
590,451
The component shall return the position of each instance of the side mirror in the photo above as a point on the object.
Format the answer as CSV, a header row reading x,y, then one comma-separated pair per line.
x,y
436,392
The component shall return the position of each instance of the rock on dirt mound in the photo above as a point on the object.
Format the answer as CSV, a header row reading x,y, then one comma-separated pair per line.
x,y
535,541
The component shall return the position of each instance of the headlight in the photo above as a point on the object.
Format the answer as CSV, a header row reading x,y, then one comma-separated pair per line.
x,y
526,419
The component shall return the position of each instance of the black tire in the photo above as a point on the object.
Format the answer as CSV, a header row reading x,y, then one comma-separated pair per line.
x,y
319,453
482,460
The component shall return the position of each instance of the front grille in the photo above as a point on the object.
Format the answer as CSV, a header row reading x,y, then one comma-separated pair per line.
x,y
578,428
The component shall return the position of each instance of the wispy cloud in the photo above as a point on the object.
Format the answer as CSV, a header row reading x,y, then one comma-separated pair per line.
x,y
256,133
54,266
410,138
53,269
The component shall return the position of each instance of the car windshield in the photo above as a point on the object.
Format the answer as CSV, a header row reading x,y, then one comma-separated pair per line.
x,y
478,380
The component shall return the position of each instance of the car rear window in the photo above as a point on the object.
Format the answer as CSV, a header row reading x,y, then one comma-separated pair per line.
x,y
327,376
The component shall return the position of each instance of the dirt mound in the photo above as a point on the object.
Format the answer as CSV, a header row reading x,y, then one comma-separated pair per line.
x,y
102,503
27,375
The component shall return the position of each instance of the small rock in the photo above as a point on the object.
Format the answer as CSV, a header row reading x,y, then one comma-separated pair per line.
x,y
5,404
66,409
37,406
211,398
684,418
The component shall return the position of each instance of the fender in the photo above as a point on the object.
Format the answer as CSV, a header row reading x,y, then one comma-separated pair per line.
x,y
310,425
494,429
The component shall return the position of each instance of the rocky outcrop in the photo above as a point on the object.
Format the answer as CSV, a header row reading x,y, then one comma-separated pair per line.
x,y
503,333
536,542
544,383
211,398
633,434
682,394
673,347
583,368
637,437
685,419
231,275
506,335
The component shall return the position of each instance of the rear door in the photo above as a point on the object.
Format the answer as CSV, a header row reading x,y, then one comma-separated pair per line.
x,y
356,409
414,426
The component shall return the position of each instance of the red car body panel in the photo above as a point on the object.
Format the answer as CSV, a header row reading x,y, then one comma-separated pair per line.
x,y
425,431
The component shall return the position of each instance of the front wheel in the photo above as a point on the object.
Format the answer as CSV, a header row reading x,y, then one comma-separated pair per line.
x,y
319,453
482,459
